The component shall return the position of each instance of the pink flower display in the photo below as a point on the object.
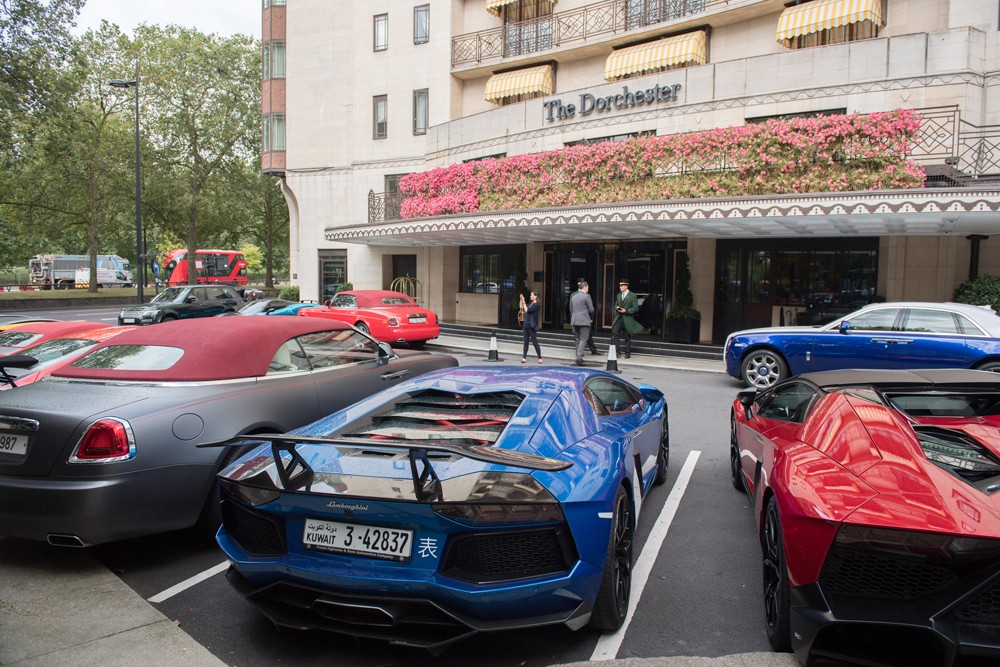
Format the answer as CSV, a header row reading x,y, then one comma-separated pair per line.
x,y
823,154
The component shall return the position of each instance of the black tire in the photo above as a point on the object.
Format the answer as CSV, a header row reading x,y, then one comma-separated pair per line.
x,y
777,605
763,368
168,318
210,517
611,605
991,366
363,328
663,455
734,455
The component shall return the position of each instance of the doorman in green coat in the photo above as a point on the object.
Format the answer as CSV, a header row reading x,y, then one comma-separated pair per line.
x,y
624,324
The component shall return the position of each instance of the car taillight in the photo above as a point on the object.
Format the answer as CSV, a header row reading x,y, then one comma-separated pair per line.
x,y
393,322
106,441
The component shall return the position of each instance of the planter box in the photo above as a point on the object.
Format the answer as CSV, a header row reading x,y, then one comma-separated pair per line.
x,y
683,331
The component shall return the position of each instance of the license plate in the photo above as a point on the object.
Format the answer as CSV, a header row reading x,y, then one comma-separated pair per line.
x,y
12,443
358,540
128,320
418,320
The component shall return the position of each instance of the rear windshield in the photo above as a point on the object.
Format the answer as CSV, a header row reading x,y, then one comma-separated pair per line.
x,y
131,358
15,338
947,405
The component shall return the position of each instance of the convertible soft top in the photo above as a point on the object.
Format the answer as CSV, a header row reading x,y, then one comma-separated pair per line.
x,y
215,348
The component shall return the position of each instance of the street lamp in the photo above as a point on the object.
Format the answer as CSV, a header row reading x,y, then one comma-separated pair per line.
x,y
139,257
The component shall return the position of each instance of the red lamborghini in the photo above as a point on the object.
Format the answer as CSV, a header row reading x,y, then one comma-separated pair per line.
x,y
875,494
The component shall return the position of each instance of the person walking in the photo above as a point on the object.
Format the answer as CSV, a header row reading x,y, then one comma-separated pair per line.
x,y
581,308
530,326
624,324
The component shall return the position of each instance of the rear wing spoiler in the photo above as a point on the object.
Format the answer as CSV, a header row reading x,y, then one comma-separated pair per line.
x,y
14,361
296,473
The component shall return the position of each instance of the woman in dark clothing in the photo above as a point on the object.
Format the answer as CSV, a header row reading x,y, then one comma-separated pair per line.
x,y
530,327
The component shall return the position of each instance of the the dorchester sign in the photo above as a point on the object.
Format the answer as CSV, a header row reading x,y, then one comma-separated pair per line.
x,y
590,103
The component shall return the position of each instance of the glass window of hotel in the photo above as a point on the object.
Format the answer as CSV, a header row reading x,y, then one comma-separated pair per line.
x,y
381,32
265,60
380,116
421,24
276,69
420,111
527,27
274,3
639,13
613,138
851,32
274,132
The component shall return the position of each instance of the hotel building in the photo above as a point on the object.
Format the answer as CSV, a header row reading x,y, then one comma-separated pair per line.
x,y
358,94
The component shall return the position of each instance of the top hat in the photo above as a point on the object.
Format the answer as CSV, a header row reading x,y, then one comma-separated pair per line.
x,y
623,281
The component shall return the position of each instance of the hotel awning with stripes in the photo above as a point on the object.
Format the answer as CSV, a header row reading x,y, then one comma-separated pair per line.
x,y
651,56
820,15
520,82
494,6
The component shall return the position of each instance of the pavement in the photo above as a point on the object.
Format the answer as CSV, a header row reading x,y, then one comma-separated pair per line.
x,y
62,608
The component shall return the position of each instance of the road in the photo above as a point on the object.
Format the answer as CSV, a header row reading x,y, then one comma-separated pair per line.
x,y
695,538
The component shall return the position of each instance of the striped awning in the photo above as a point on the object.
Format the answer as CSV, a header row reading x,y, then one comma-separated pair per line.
x,y
494,6
825,14
520,82
677,50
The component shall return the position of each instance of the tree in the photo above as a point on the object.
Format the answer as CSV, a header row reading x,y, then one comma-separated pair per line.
x,y
203,111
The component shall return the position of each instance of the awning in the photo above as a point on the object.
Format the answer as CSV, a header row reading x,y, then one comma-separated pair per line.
x,y
520,82
825,14
651,56
493,6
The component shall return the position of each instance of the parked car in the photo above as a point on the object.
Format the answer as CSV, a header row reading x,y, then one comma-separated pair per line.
x,y
50,355
10,320
389,316
875,493
469,499
105,447
905,335
274,307
19,336
186,301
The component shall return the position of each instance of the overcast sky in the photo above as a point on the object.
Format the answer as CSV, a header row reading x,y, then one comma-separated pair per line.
x,y
225,17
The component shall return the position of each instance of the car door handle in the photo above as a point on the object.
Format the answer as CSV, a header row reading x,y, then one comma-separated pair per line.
x,y
893,341
395,375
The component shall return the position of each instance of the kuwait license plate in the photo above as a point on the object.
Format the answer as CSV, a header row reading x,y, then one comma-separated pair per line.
x,y
13,443
350,538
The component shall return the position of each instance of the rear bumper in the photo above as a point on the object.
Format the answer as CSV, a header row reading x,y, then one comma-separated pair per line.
x,y
103,509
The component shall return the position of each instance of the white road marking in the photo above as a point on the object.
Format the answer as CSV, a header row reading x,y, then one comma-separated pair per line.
x,y
188,583
608,645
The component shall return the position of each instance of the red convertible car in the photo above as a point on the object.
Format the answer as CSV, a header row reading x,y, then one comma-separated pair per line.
x,y
391,317
875,494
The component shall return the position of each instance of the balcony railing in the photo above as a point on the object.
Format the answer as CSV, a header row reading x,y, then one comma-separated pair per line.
x,y
576,25
971,151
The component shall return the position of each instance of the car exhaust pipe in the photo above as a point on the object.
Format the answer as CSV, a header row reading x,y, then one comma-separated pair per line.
x,y
60,540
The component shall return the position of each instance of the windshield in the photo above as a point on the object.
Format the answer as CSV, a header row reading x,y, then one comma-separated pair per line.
x,y
52,352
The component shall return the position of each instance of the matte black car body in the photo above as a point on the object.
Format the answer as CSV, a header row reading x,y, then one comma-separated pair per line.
x,y
184,302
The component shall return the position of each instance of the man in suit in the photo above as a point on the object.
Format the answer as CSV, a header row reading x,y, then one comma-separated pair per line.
x,y
581,309
624,324
590,337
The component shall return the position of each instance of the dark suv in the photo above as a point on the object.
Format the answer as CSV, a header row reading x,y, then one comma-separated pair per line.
x,y
182,302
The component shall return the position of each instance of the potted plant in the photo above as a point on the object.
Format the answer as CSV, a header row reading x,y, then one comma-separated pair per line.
x,y
683,321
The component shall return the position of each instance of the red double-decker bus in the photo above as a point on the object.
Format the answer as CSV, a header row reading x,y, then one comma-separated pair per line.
x,y
212,266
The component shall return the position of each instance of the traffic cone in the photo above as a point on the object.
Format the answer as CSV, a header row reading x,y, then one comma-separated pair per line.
x,y
612,359
493,348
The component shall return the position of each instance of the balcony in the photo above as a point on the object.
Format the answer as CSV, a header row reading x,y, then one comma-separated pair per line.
x,y
576,25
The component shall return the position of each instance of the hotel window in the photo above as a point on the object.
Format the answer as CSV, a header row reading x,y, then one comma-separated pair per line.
x,y
527,27
381,32
274,3
380,116
823,22
273,132
420,111
421,24
273,58
640,13
265,60
614,138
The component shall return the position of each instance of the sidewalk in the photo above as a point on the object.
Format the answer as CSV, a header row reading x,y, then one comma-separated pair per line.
x,y
62,608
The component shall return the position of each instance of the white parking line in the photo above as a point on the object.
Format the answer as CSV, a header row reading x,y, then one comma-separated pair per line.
x,y
608,645
188,583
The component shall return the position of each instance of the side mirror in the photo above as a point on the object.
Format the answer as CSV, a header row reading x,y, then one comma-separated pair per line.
x,y
384,353
844,327
746,397
650,393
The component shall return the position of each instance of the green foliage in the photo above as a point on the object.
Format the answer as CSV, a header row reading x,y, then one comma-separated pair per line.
x,y
289,293
344,287
981,291
683,305
254,257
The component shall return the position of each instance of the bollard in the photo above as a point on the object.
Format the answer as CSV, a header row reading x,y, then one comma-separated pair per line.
x,y
493,348
612,359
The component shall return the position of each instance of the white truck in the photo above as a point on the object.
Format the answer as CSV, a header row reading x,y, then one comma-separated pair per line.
x,y
62,271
